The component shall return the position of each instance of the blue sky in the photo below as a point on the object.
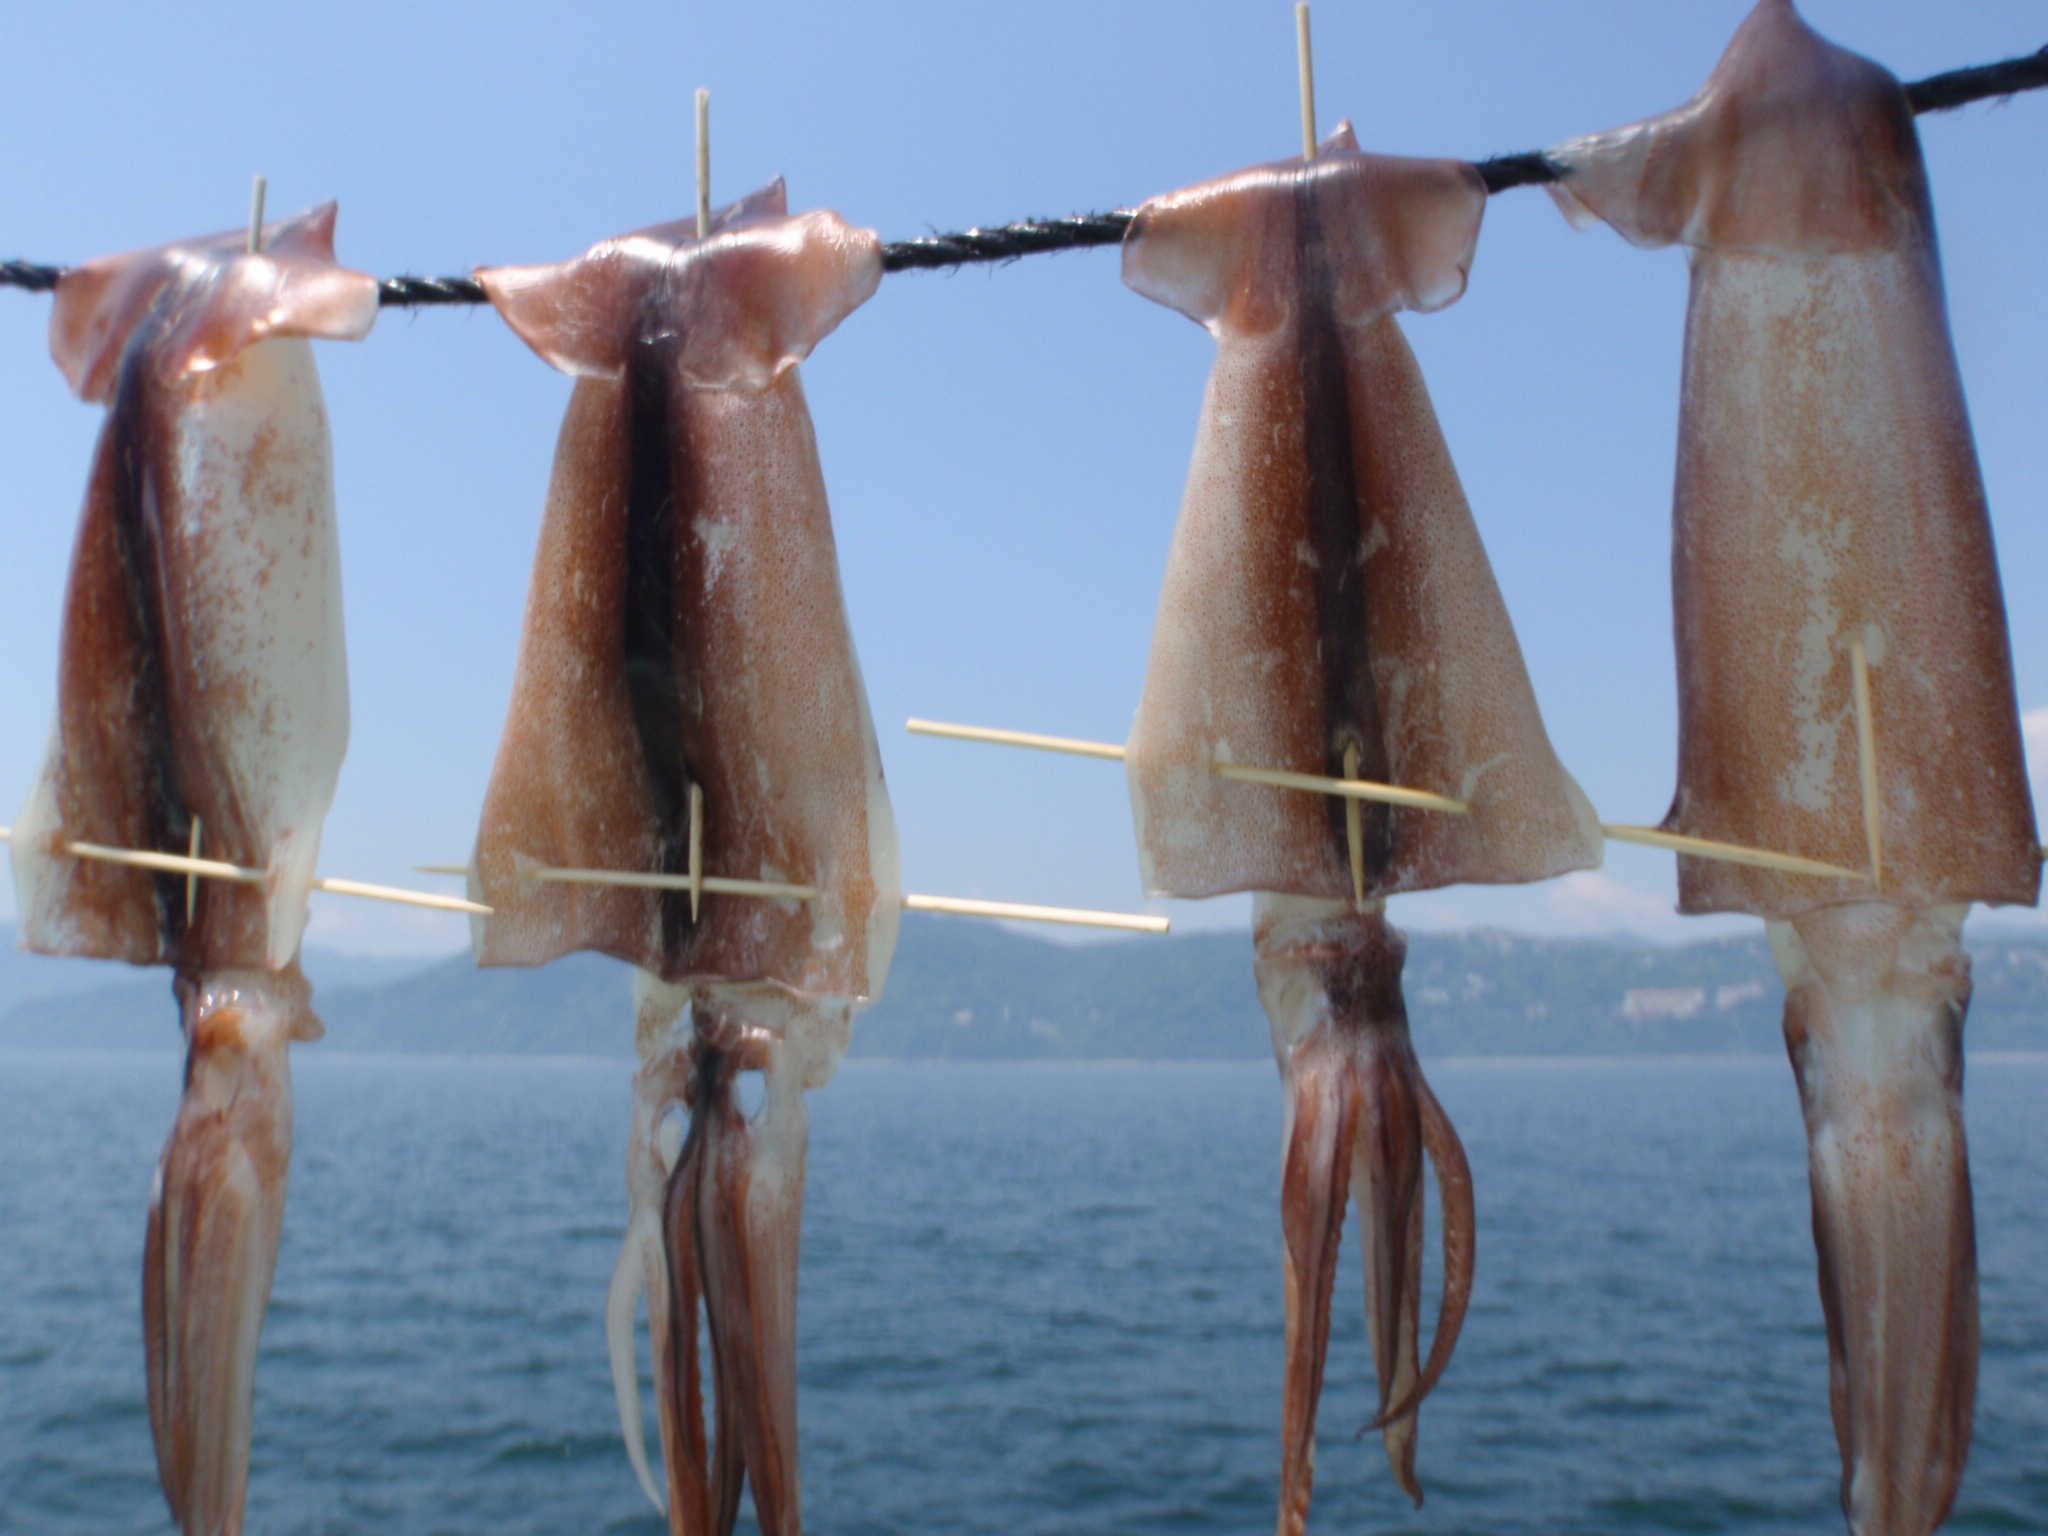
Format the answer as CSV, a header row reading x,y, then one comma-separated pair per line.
x,y
1005,449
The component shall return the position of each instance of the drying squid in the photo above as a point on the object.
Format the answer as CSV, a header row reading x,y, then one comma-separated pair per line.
x,y
1329,610
688,697
1830,538
202,703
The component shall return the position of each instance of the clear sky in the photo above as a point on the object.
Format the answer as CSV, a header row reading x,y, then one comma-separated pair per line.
x,y
1004,448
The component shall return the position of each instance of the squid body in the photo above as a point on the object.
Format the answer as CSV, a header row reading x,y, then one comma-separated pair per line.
x,y
202,695
1828,494
1329,610
686,640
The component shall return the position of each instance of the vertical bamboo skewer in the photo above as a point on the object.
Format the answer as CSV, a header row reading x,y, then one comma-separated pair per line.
x,y
1866,758
696,849
1354,830
1308,81
257,195
192,876
703,163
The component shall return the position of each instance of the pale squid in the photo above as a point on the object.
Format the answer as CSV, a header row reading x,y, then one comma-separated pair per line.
x,y
1329,610
202,702
1830,519
686,642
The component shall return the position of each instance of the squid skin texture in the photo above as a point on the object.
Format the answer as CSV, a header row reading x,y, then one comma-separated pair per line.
x,y
1828,492
1328,600
1360,1117
685,630
685,624
215,1217
202,670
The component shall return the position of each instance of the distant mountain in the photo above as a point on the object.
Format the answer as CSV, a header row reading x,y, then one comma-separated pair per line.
x,y
972,991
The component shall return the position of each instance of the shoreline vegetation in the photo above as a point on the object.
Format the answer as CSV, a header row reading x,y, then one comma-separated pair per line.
x,y
970,992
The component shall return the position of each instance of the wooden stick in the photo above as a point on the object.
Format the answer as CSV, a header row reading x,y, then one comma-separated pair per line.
x,y
1354,829
215,869
1866,758
442,869
1729,853
1355,789
696,849
1129,922
1308,81
167,863
1067,744
718,885
703,164
192,879
257,194
402,897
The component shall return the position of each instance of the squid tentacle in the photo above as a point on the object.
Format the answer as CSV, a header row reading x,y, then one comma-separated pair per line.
x,y
1323,1112
1460,1223
699,1501
1388,1175
639,1261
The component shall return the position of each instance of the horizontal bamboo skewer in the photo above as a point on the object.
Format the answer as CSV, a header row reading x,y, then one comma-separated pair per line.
x,y
1728,853
1649,837
1073,916
1348,789
1067,744
959,905
215,869
1280,778
717,884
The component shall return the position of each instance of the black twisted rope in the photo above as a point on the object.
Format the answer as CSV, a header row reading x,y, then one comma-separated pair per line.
x,y
1032,237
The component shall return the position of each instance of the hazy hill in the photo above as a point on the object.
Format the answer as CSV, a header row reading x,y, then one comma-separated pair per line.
x,y
970,990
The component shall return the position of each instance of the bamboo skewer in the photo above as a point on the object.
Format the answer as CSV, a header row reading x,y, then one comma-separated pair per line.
x,y
1067,744
1360,789
195,869
1728,853
191,878
1354,828
1281,778
1073,916
696,849
719,885
703,163
257,194
696,883
1866,758
402,897
1308,81
1348,788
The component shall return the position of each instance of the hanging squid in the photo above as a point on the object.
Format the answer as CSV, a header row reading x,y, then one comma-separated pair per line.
x,y
1329,610
688,697
202,701
1830,520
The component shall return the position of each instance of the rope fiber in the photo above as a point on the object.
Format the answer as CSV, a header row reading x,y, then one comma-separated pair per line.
x,y
1033,237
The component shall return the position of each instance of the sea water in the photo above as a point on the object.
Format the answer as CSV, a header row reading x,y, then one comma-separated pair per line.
x,y
1035,1299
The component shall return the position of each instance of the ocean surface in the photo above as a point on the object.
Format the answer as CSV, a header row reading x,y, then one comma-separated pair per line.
x,y
1035,1299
